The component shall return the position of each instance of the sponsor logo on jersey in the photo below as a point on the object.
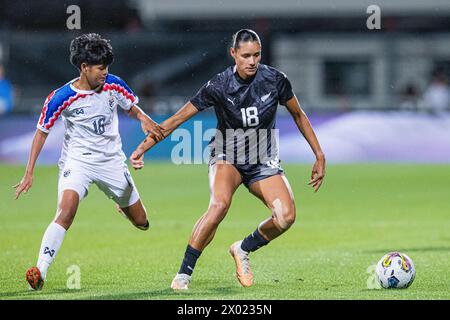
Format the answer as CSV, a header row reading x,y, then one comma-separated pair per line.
x,y
232,101
79,111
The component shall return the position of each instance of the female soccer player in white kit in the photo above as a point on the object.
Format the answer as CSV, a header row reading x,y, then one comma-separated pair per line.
x,y
92,148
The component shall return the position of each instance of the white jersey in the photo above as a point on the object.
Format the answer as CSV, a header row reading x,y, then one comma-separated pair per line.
x,y
90,119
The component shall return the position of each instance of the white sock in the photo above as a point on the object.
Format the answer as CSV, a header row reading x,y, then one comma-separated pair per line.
x,y
51,242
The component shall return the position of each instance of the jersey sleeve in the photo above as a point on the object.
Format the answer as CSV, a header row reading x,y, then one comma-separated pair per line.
x,y
124,95
47,110
55,103
284,88
207,96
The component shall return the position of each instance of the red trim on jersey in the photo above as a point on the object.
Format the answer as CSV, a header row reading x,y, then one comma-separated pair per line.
x,y
120,89
44,109
61,108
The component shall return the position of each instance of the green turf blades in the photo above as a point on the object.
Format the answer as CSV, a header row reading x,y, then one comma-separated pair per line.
x,y
361,213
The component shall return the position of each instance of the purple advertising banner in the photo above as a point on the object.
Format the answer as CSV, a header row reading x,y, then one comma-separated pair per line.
x,y
355,137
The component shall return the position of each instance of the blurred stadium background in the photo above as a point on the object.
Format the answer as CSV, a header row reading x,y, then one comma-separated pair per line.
x,y
371,94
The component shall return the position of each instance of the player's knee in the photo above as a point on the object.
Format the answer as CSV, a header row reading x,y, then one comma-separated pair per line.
x,y
285,216
220,206
218,209
289,217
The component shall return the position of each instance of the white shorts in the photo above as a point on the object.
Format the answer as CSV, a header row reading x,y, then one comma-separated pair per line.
x,y
113,179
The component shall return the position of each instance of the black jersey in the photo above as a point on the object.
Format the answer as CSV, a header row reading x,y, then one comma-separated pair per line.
x,y
245,106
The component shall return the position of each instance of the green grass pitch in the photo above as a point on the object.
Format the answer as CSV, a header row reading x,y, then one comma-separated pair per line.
x,y
361,213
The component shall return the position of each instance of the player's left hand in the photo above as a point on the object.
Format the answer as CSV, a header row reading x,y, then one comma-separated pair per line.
x,y
317,174
150,126
137,160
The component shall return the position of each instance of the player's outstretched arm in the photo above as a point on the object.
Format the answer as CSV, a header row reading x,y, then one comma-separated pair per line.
x,y
167,126
303,124
38,142
147,123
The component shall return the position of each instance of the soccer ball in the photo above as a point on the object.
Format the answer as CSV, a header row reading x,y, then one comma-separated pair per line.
x,y
395,270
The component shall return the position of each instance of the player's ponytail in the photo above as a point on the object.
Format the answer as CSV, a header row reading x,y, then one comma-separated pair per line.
x,y
244,35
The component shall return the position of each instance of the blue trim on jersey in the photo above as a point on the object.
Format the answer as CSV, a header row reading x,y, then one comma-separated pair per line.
x,y
60,96
110,79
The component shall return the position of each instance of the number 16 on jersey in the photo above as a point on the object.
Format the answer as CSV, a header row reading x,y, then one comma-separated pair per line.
x,y
99,125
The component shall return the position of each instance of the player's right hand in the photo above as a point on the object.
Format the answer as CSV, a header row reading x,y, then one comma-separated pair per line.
x,y
137,160
24,185
317,174
151,127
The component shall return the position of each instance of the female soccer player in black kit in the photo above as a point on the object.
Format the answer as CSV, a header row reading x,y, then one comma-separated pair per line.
x,y
245,97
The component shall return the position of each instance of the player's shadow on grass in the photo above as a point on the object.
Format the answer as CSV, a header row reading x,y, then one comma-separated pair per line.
x,y
405,250
86,294
171,294
15,294
44,294
165,293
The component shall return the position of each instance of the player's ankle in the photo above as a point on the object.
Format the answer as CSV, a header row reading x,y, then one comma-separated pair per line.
x,y
190,259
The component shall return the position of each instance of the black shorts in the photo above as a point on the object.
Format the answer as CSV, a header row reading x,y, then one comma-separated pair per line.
x,y
251,173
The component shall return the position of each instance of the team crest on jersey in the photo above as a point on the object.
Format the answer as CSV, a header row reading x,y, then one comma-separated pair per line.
x,y
265,97
111,101
66,173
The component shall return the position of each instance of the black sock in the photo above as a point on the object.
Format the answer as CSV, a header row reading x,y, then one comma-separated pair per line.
x,y
253,242
190,258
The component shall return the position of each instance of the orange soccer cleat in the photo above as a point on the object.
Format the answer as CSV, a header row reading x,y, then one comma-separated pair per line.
x,y
243,271
34,278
